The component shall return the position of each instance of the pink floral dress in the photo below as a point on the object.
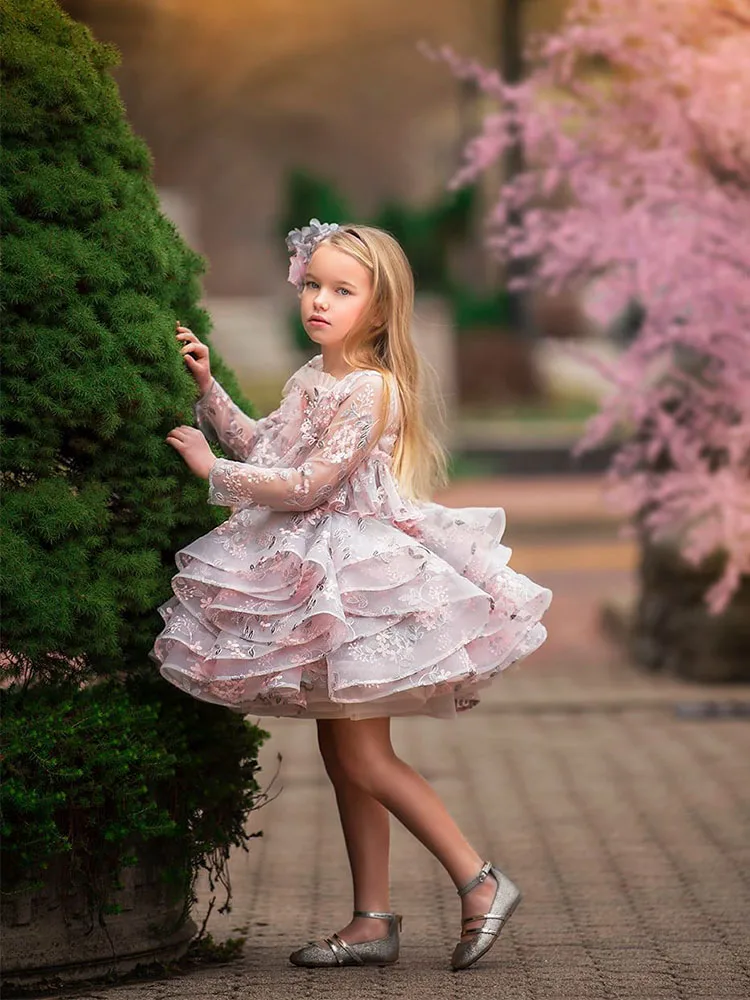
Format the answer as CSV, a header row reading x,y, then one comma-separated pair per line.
x,y
325,593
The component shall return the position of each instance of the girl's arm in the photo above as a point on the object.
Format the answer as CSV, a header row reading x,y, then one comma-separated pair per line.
x,y
346,442
223,421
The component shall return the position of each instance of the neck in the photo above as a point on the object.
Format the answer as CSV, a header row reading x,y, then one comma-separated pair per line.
x,y
333,363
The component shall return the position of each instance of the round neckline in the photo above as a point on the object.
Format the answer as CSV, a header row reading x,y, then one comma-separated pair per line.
x,y
316,363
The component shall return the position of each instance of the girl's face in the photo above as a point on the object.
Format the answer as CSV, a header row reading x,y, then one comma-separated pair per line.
x,y
337,291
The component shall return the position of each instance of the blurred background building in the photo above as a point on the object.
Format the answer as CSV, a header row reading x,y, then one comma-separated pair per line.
x,y
236,97
232,95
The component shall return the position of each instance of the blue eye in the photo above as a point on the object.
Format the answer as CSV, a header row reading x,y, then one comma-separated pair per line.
x,y
311,282
345,290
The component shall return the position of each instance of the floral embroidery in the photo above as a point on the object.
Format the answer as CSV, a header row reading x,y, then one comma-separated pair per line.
x,y
327,594
223,421
340,448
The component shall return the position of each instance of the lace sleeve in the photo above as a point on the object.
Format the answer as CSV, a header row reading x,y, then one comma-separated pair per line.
x,y
221,420
346,441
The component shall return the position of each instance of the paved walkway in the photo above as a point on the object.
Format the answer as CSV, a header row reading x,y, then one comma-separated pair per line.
x,y
624,817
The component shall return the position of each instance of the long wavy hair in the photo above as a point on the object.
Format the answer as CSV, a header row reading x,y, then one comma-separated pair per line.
x,y
382,341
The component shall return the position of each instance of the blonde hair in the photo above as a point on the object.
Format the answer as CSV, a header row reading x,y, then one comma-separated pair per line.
x,y
382,341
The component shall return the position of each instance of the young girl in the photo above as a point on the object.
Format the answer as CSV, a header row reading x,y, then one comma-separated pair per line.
x,y
337,591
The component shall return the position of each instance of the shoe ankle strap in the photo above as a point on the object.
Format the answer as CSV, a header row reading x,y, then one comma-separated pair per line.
x,y
373,914
477,880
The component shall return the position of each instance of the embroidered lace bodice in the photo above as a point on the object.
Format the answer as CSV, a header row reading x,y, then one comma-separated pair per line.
x,y
317,449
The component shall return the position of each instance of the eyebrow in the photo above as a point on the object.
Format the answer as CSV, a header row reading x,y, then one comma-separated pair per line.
x,y
311,274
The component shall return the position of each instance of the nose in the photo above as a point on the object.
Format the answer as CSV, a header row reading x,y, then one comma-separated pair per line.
x,y
319,302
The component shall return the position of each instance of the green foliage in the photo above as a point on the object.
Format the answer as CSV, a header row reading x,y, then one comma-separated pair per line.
x,y
95,500
307,197
426,234
472,311
103,758
99,772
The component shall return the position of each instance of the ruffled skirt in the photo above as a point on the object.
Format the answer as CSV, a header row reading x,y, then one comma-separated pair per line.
x,y
323,614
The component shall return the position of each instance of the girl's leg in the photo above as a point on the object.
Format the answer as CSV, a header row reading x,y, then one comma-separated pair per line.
x,y
366,826
364,753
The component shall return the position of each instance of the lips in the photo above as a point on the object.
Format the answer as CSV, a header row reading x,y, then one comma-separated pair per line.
x,y
319,319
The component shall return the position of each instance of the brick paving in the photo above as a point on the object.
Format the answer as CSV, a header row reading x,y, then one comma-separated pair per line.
x,y
626,824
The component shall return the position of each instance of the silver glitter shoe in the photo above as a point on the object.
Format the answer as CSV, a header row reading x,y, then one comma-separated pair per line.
x,y
382,951
507,898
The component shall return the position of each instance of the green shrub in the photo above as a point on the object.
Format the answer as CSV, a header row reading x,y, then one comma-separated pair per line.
x,y
473,311
112,773
96,503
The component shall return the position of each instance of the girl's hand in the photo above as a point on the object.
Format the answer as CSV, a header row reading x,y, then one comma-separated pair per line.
x,y
193,447
195,355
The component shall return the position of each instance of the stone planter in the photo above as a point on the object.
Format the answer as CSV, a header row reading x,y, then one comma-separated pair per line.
x,y
47,933
671,629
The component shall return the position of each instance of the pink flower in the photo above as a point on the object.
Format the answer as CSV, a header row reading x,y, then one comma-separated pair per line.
x,y
303,242
297,269
637,178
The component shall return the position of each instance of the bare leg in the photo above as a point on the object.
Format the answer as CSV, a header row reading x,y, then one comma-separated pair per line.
x,y
366,826
364,754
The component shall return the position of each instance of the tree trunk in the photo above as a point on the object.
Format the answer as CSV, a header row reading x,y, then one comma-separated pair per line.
x,y
672,631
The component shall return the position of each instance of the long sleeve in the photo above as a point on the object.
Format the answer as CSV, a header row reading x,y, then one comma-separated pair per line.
x,y
223,421
345,443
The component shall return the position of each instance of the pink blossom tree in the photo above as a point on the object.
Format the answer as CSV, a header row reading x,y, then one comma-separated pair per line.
x,y
635,121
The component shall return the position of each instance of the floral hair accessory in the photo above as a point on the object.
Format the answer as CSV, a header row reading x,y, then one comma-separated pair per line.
x,y
303,242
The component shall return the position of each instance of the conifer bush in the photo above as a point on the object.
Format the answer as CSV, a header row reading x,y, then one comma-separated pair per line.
x,y
96,503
